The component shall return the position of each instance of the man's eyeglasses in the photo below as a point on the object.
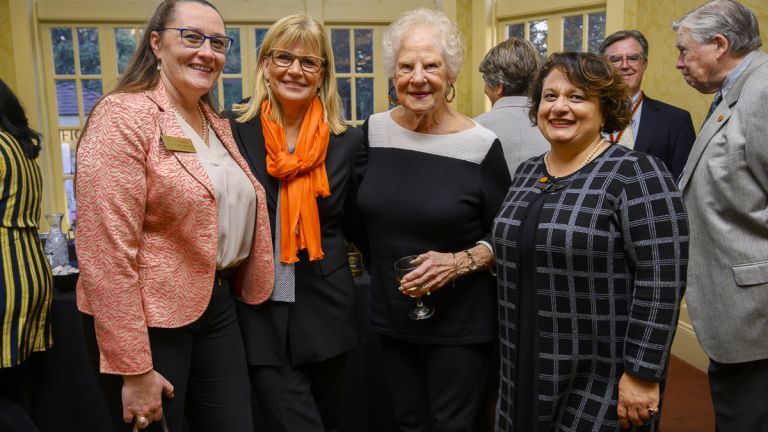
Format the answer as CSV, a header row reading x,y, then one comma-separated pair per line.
x,y
194,39
631,59
284,59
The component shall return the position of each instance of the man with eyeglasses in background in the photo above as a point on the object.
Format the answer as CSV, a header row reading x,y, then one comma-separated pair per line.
x,y
657,128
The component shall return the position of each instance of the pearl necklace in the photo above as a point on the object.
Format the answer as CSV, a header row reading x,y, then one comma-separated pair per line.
x,y
586,161
205,124
203,120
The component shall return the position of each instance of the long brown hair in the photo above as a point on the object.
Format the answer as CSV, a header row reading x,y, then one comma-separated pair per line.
x,y
141,73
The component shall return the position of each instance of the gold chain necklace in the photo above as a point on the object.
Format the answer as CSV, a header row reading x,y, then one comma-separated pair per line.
x,y
586,161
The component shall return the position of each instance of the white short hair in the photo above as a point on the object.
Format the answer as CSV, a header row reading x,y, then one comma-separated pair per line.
x,y
726,17
449,36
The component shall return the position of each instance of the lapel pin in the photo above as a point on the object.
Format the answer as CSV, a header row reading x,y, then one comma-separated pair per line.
x,y
719,118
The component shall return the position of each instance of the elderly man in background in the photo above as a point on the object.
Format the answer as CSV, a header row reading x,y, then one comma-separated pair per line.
x,y
725,187
508,69
657,128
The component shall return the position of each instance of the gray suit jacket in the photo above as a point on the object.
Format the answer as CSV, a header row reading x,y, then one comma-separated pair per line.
x,y
725,188
509,121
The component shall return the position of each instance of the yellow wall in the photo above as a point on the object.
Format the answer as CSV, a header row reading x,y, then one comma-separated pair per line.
x,y
234,11
7,71
516,8
662,80
464,81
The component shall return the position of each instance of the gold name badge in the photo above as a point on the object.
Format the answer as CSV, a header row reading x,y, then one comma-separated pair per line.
x,y
178,144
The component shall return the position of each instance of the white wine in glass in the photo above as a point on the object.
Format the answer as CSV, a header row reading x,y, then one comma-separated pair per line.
x,y
403,266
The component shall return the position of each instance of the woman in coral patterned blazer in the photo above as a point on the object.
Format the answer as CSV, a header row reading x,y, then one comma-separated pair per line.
x,y
172,227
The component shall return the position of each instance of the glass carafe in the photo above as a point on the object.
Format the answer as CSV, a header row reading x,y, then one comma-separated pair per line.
x,y
56,244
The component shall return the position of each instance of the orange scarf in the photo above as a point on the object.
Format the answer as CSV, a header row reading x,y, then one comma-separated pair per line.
x,y
302,179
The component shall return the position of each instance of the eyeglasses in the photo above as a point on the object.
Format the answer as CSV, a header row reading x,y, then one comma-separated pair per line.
x,y
194,39
284,59
631,59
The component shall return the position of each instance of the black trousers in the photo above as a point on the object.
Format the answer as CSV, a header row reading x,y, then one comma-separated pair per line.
x,y
436,388
740,395
205,362
306,397
14,399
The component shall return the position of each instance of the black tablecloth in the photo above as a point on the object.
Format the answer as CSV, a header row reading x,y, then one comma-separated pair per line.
x,y
66,395
67,398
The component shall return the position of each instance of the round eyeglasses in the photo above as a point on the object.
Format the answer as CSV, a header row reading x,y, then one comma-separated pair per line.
x,y
194,39
284,59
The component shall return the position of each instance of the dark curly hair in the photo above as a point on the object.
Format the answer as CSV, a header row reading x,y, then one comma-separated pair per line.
x,y
596,77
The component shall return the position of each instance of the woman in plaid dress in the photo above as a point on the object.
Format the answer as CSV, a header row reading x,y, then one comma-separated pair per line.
x,y
591,245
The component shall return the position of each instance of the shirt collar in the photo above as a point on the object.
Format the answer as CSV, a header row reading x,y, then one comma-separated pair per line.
x,y
736,72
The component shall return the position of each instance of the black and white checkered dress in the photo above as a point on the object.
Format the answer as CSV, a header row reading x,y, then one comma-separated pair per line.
x,y
609,262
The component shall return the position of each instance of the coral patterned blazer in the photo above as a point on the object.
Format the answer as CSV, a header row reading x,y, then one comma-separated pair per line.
x,y
147,224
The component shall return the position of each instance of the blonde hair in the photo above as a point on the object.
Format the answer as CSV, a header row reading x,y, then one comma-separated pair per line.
x,y
298,28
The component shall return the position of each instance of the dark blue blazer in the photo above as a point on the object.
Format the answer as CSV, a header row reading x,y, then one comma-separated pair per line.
x,y
666,132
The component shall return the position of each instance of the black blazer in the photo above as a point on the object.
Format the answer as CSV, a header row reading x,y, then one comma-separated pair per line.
x,y
666,132
322,322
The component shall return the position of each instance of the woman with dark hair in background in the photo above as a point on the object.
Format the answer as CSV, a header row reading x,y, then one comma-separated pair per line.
x,y
25,276
172,229
591,245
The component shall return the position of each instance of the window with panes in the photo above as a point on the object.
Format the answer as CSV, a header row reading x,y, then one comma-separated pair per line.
x,y
580,31
83,62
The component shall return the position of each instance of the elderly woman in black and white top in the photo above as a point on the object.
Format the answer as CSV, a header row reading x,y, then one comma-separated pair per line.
x,y
434,181
592,245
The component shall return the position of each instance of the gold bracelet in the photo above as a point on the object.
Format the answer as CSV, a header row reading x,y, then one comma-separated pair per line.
x,y
471,265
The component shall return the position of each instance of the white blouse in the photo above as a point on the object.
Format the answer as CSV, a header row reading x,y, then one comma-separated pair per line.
x,y
235,197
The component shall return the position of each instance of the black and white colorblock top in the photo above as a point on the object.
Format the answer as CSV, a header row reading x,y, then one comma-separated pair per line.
x,y
431,192
609,265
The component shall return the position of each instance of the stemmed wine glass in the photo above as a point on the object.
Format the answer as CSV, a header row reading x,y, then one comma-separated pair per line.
x,y
403,266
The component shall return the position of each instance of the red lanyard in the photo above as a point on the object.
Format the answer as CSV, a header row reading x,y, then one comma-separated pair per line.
x,y
617,138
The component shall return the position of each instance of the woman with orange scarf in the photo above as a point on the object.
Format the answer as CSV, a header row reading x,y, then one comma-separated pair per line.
x,y
293,137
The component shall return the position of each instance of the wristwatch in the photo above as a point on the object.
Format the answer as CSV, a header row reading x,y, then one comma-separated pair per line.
x,y
472,264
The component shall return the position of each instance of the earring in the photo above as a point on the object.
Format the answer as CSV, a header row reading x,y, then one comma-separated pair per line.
x,y
452,92
158,64
392,100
